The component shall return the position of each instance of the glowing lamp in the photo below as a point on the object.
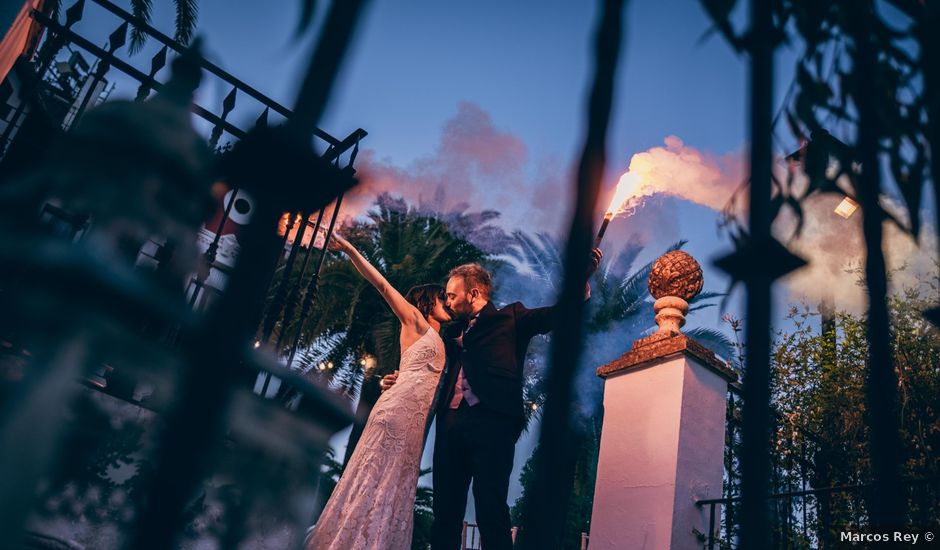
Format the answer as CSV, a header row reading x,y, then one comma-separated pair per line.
x,y
846,208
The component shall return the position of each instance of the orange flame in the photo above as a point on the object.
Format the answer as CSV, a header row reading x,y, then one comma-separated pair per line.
x,y
627,188
308,231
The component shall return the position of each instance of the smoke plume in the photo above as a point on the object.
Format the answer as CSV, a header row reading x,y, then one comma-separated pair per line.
x,y
684,172
835,249
474,166
833,245
477,166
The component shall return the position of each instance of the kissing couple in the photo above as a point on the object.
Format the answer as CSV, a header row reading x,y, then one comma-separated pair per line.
x,y
474,370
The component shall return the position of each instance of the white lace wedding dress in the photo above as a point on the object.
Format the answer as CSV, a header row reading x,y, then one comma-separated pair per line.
x,y
372,506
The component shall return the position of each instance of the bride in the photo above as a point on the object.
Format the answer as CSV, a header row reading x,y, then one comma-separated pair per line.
x,y
372,506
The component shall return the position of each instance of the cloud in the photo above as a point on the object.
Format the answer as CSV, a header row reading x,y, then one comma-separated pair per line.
x,y
471,143
474,165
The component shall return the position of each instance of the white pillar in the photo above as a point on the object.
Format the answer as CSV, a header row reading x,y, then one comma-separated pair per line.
x,y
662,445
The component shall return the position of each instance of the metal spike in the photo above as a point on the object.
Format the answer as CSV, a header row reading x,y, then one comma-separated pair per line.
x,y
118,37
262,121
142,92
774,258
229,103
215,136
158,61
74,13
353,155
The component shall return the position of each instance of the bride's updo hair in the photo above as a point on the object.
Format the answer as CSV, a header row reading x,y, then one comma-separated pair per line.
x,y
424,296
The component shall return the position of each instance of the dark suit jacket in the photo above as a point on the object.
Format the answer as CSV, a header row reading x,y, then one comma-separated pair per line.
x,y
493,354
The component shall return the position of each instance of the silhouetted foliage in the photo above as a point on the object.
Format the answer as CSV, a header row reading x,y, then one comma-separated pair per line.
x,y
864,96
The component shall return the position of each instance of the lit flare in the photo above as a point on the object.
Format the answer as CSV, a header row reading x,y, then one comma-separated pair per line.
x,y
627,191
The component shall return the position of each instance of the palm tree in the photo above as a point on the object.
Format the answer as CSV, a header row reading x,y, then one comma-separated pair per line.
x,y
474,227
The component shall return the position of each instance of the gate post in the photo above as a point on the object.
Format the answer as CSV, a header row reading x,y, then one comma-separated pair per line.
x,y
663,437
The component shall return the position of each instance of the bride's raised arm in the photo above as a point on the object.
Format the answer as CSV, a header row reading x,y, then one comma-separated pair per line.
x,y
408,314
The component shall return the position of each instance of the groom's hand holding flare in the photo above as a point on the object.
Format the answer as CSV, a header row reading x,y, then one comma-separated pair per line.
x,y
596,256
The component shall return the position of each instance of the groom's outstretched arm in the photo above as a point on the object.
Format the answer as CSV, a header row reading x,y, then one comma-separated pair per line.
x,y
541,320
529,322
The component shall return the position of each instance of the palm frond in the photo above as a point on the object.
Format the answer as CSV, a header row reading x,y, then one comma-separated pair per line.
x,y
622,263
677,245
141,9
325,346
348,381
187,14
633,288
715,340
707,295
701,306
552,251
542,256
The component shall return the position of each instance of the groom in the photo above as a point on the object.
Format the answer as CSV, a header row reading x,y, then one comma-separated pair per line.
x,y
480,410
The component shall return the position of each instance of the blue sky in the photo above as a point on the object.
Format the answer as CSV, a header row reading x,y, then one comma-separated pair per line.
x,y
525,63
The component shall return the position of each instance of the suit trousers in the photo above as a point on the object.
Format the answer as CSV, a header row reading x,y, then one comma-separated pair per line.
x,y
473,444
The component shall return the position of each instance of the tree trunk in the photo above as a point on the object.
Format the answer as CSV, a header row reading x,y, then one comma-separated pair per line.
x,y
887,504
367,397
755,428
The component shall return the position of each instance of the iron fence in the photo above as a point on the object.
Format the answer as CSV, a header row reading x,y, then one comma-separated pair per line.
x,y
816,518
163,441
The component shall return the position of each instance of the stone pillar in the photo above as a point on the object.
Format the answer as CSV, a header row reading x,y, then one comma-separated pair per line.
x,y
663,438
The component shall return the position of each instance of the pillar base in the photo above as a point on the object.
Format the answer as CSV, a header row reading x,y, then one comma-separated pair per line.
x,y
662,445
